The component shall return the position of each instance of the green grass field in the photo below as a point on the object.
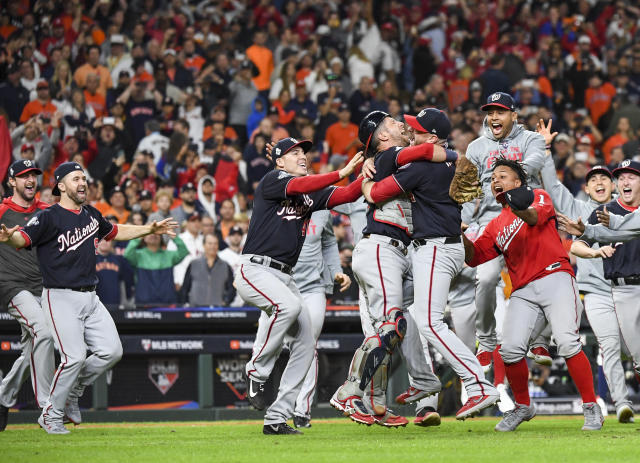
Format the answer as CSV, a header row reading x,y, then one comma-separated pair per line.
x,y
544,439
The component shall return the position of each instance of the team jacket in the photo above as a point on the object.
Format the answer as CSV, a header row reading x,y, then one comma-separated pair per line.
x,y
154,271
520,145
19,270
590,275
319,260
530,252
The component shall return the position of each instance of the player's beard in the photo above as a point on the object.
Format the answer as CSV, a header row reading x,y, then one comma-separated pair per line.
x,y
26,195
73,196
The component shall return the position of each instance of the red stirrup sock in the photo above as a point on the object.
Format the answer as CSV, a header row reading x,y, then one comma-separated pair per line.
x,y
498,367
580,371
518,376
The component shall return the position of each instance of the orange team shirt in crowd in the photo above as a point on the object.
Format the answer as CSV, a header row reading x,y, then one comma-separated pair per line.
x,y
458,92
229,133
263,59
339,137
98,102
80,77
612,142
35,107
598,100
194,63
122,218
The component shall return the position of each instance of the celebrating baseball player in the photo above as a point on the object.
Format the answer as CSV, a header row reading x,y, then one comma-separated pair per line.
x,y
317,269
598,303
621,267
387,287
66,236
285,198
544,287
20,289
438,253
502,137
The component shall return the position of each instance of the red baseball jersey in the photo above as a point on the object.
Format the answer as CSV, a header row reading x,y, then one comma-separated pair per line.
x,y
531,252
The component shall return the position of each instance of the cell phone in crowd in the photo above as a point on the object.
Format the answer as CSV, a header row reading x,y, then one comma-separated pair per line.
x,y
108,121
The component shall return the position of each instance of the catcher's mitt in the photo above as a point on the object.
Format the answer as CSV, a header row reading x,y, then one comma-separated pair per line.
x,y
465,185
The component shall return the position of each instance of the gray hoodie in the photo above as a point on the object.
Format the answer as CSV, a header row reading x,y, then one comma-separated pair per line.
x,y
521,145
621,228
590,275
319,260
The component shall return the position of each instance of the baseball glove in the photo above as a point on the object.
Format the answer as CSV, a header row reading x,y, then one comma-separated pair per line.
x,y
465,185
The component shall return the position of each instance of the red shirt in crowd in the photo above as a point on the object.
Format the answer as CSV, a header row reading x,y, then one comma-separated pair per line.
x,y
530,252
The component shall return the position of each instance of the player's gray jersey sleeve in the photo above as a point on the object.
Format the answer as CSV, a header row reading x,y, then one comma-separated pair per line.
x,y
330,254
626,228
563,200
468,211
534,154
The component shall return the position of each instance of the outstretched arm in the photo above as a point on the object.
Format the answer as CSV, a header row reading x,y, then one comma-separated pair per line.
x,y
128,232
384,190
582,249
311,183
10,237
425,152
345,194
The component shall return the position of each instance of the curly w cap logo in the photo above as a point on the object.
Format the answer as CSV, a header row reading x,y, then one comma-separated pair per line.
x,y
422,113
625,163
278,150
495,97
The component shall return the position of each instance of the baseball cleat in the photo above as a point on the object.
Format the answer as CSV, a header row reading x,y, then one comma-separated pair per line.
x,y
52,426
301,421
540,355
279,428
512,419
255,392
72,411
390,419
4,417
485,358
427,416
413,395
624,414
475,404
593,418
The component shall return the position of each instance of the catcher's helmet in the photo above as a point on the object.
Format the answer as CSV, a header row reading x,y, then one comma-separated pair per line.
x,y
368,125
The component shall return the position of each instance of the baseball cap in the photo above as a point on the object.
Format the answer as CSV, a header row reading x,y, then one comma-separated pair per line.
x,y
117,39
273,110
62,171
116,189
301,83
563,137
57,23
598,170
42,84
627,166
145,194
501,99
188,187
430,120
584,140
167,101
475,85
344,107
22,167
27,146
124,73
368,126
287,144
169,51
584,39
236,230
195,215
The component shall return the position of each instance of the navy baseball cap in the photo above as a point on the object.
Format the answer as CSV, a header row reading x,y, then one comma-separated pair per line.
x,y
627,166
598,170
287,144
62,171
501,99
145,194
22,167
430,120
368,126
188,186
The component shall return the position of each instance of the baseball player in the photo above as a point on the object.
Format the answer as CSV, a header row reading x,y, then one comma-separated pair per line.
x,y
502,137
621,268
317,269
438,253
386,288
66,236
285,198
598,303
543,287
20,291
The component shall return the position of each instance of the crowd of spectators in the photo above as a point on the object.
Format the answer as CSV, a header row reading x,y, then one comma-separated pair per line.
x,y
169,104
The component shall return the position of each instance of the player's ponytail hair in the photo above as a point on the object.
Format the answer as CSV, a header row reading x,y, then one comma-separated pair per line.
x,y
515,166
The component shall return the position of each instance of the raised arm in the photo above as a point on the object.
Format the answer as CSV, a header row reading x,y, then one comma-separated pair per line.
x,y
562,198
128,232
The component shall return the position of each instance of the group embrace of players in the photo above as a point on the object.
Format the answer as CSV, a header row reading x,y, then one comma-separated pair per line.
x,y
411,255
410,259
